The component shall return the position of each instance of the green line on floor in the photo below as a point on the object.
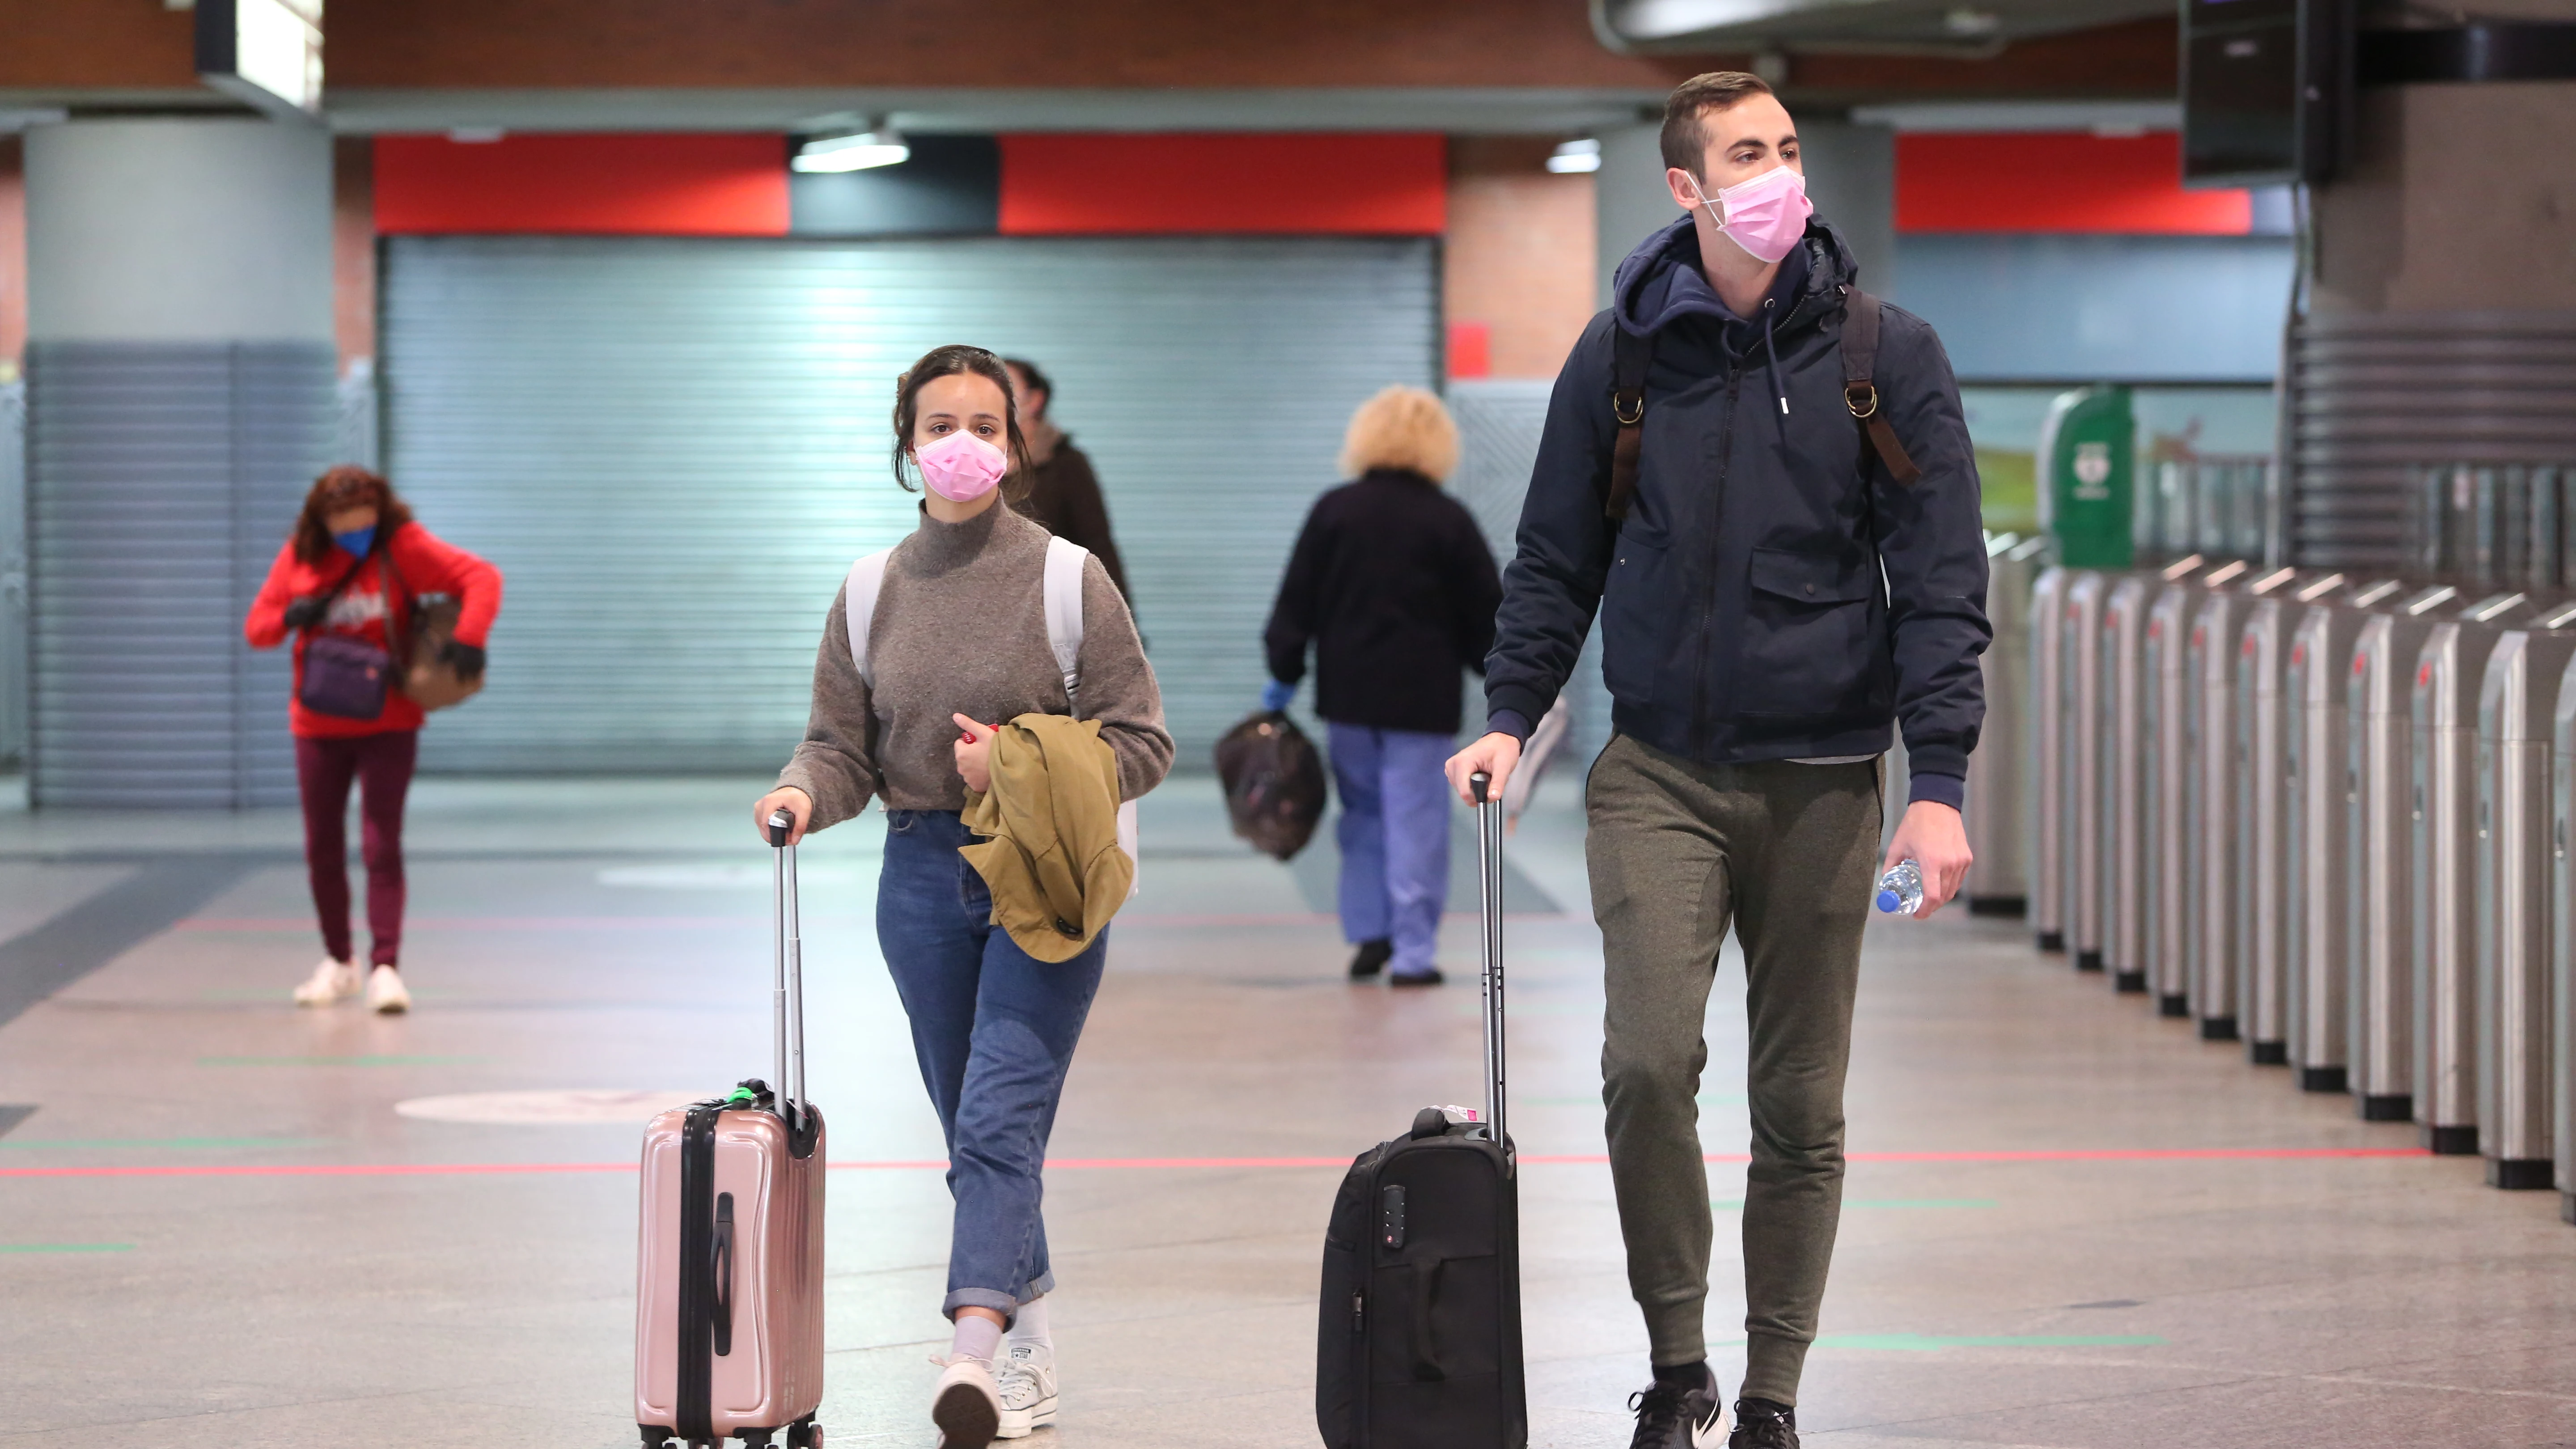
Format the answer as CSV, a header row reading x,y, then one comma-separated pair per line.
x,y
67,1144
357,1061
1883,1202
66,1247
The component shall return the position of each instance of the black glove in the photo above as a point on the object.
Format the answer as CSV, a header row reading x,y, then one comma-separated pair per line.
x,y
465,659
304,613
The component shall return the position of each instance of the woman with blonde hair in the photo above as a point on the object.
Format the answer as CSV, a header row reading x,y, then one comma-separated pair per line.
x,y
1392,583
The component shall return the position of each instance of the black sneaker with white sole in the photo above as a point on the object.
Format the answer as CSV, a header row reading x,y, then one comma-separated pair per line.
x,y
1671,1416
1762,1424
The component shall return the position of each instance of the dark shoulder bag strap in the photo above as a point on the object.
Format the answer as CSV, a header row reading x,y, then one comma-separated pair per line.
x,y
1860,393
332,594
1630,355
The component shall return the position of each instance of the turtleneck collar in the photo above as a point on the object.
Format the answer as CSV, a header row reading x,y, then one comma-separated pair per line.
x,y
938,545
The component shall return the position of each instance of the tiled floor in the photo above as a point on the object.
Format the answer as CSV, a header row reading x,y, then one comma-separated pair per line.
x,y
216,1229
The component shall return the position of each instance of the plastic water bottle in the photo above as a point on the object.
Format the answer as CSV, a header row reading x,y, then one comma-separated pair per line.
x,y
1900,891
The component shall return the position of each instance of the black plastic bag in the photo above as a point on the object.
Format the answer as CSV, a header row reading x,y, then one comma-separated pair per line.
x,y
1274,783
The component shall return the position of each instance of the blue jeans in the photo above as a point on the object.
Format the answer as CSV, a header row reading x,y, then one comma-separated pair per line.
x,y
1394,834
994,1030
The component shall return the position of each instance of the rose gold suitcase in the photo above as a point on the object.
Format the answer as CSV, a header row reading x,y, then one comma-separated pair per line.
x,y
729,1266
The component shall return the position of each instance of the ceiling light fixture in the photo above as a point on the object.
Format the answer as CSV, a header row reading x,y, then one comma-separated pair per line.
x,y
1581,154
852,150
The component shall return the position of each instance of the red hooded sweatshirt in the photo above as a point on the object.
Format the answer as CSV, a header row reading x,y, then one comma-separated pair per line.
x,y
425,565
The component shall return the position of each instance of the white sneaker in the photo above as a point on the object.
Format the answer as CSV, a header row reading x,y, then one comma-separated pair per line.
x,y
386,992
967,1405
1027,1382
331,981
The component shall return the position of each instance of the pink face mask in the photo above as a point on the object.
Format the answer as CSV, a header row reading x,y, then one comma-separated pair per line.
x,y
961,467
1766,215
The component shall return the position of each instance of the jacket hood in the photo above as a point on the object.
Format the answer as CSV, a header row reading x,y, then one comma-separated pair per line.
x,y
1661,282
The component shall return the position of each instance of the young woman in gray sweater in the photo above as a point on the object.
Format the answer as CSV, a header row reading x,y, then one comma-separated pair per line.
x,y
957,644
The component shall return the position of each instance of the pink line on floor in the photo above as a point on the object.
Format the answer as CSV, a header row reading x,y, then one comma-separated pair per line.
x,y
1081,1164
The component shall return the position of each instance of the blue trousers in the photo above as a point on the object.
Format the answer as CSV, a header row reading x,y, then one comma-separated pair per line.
x,y
994,1030
1394,834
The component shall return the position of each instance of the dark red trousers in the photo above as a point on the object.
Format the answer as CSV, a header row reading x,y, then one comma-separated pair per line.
x,y
381,766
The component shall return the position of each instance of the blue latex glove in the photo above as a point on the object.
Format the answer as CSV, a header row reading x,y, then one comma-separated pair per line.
x,y
1275,696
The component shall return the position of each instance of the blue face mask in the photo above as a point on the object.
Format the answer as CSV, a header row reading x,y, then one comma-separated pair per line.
x,y
357,540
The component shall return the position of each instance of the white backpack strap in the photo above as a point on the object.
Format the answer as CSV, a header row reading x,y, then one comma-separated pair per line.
x,y
1064,561
859,606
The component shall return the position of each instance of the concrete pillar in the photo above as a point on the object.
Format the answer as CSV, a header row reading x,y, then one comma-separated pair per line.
x,y
1851,178
179,402
1629,201
2441,302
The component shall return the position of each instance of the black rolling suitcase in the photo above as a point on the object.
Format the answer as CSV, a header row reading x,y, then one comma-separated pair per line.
x,y
1420,1339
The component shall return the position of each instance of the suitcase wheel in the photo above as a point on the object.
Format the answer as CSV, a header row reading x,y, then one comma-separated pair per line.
x,y
804,1434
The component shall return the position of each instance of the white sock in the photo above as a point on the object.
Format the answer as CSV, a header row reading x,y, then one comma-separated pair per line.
x,y
977,1337
1030,1328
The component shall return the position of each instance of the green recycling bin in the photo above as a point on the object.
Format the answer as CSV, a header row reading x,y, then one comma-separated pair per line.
x,y
2088,477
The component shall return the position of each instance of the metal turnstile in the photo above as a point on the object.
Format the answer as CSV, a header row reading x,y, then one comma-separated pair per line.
x,y
2124,775
2263,899
2047,834
1998,882
2080,738
2449,673
2317,777
2168,791
2517,704
2562,942
2209,840
2380,901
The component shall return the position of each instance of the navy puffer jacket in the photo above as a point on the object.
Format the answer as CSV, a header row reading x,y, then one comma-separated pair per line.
x,y
1774,593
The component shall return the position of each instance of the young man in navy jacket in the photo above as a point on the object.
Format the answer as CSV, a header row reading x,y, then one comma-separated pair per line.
x,y
1773,602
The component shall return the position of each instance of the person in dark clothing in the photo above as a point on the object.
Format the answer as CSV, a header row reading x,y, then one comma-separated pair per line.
x,y
1392,583
1776,591
1064,494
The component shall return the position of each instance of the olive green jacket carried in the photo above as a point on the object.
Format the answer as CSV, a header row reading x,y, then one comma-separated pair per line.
x,y
1052,859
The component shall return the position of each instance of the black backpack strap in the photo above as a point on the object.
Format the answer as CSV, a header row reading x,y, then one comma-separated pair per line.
x,y
1860,393
1630,356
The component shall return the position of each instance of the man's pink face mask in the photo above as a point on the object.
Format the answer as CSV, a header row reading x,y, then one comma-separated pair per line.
x,y
1766,215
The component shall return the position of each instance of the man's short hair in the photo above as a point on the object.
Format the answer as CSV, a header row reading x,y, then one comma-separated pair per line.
x,y
1038,381
1685,140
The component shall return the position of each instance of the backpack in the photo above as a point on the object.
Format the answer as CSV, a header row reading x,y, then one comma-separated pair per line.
x,y
1064,560
1631,356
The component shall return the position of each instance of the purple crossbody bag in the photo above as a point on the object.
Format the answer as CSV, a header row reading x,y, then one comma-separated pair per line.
x,y
345,677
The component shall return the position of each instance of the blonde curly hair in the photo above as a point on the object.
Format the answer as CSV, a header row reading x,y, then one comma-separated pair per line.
x,y
1401,427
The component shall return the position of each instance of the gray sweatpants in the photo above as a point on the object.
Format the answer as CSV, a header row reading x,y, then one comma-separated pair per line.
x,y
1786,853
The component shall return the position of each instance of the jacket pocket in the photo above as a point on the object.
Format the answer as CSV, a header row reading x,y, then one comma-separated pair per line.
x,y
1637,608
1808,649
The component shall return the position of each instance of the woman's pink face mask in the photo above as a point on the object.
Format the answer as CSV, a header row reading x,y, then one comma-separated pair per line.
x,y
961,467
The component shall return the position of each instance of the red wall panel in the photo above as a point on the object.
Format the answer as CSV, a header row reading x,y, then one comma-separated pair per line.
x,y
631,184
1372,184
2053,181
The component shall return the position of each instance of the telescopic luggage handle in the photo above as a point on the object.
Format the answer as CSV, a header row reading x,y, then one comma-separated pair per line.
x,y
788,988
1489,874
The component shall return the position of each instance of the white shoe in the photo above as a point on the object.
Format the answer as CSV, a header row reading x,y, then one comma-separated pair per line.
x,y
967,1406
1027,1382
386,992
331,981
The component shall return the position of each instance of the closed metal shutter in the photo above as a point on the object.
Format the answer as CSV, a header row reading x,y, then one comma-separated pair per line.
x,y
162,479
673,449
2379,403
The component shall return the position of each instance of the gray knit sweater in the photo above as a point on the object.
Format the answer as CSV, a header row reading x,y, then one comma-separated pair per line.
x,y
960,627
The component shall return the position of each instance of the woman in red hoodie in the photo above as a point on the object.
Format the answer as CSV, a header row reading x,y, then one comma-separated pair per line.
x,y
351,571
